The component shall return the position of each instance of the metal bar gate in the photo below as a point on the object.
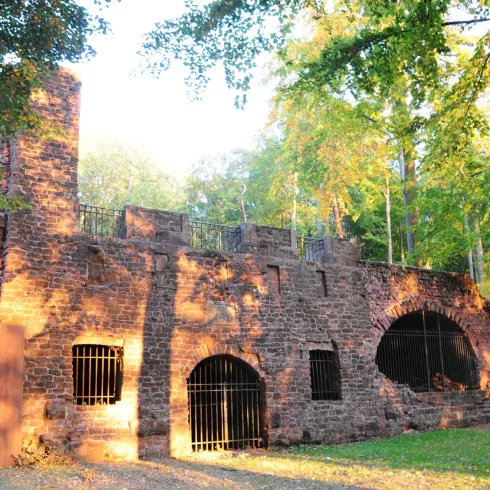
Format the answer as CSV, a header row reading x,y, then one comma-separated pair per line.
x,y
224,405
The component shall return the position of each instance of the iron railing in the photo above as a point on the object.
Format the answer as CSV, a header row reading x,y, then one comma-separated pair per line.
x,y
94,220
430,354
214,236
225,405
325,375
310,248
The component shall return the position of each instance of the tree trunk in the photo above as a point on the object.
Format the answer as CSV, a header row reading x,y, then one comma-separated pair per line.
x,y
402,247
319,225
407,172
479,253
470,254
244,214
130,188
336,216
294,213
388,220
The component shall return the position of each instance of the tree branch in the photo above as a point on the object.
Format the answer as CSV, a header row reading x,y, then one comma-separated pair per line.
x,y
465,22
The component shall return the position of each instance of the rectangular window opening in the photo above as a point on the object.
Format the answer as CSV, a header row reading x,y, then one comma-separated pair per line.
x,y
97,374
222,272
273,279
321,279
325,375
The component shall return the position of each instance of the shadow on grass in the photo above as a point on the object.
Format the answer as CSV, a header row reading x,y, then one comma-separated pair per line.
x,y
454,450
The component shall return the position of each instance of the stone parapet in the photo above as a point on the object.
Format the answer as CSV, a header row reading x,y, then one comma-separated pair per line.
x,y
340,251
267,241
155,226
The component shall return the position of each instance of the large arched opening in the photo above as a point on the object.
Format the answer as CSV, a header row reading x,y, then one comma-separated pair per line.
x,y
225,405
428,352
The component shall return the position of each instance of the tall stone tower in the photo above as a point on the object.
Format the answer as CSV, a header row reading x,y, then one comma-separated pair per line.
x,y
43,172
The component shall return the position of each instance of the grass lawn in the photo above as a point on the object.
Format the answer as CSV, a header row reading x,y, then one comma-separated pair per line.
x,y
456,458
450,459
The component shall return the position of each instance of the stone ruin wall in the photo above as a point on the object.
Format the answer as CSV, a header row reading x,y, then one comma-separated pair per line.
x,y
170,306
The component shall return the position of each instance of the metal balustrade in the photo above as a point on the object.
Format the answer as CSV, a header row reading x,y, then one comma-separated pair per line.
x,y
325,375
107,222
214,236
94,220
310,248
97,374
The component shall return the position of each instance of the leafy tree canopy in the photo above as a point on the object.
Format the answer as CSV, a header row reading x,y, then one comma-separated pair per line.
x,y
35,36
381,41
214,188
233,32
115,174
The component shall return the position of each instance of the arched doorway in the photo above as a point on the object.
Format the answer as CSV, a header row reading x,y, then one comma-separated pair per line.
x,y
225,405
428,352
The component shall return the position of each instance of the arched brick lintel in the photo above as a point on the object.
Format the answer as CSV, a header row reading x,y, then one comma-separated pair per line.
x,y
208,350
398,310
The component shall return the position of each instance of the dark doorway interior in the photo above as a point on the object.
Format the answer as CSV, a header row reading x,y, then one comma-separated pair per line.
x,y
225,403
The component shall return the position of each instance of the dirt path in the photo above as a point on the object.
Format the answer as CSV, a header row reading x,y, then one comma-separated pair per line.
x,y
246,470
165,474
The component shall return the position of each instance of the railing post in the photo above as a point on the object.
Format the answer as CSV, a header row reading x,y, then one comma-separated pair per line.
x,y
328,249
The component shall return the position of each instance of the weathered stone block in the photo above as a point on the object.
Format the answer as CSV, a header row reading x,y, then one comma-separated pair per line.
x,y
221,314
55,411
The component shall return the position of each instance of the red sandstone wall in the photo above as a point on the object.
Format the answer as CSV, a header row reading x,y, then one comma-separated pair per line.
x,y
170,306
394,291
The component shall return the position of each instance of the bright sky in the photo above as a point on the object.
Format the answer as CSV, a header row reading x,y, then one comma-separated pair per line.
x,y
156,114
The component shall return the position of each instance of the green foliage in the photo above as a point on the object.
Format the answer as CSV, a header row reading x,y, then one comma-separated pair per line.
x,y
35,36
369,228
381,42
214,188
10,202
274,188
115,175
231,32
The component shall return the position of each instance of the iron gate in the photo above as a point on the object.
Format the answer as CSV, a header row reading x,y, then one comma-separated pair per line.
x,y
224,405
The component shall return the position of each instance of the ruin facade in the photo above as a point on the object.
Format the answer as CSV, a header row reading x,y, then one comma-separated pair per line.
x,y
176,328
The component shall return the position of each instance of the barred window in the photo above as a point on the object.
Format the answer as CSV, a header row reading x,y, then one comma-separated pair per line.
x,y
428,352
97,374
325,375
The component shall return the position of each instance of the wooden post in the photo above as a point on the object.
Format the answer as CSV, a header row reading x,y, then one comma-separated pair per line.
x,y
11,391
